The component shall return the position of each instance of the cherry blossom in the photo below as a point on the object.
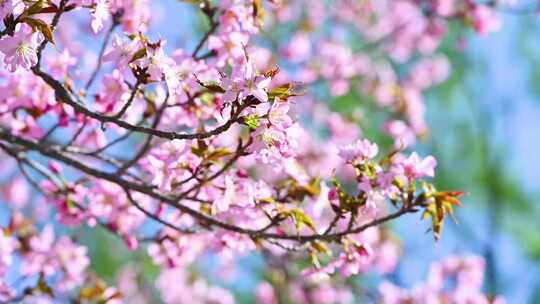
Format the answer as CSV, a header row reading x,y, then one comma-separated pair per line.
x,y
361,149
244,82
100,13
20,49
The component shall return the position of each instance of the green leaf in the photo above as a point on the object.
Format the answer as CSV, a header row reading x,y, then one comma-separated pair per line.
x,y
218,153
283,92
320,247
199,150
212,87
138,55
299,218
251,121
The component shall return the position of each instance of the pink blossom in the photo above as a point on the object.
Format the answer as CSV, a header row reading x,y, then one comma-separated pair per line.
x,y
265,294
7,293
273,144
485,20
40,258
228,45
114,92
122,51
20,49
244,82
100,13
360,150
189,292
353,262
59,65
435,289
374,197
55,167
298,48
156,61
73,260
27,126
278,114
17,192
7,7
7,247
414,167
401,133
135,14
192,170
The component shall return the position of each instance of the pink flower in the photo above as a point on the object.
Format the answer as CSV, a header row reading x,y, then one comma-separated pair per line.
x,y
265,294
7,293
245,82
7,247
59,65
229,46
445,7
55,167
187,291
458,270
7,7
278,115
402,134
299,47
415,168
16,192
99,13
229,196
387,256
122,51
20,49
273,144
40,257
374,197
485,20
73,260
156,61
28,126
114,92
135,14
352,263
238,192
360,150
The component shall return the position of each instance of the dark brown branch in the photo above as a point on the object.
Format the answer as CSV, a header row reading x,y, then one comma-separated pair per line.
x,y
148,142
208,220
128,103
154,217
64,96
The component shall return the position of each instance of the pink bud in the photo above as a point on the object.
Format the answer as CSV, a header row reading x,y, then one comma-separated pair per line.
x,y
131,242
54,167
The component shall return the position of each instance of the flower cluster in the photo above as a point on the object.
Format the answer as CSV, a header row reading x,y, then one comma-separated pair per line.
x,y
51,266
467,272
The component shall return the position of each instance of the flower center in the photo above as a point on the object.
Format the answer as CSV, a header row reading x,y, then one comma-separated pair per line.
x,y
24,50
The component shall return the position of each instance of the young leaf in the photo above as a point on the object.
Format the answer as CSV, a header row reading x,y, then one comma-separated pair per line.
x,y
300,219
41,26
